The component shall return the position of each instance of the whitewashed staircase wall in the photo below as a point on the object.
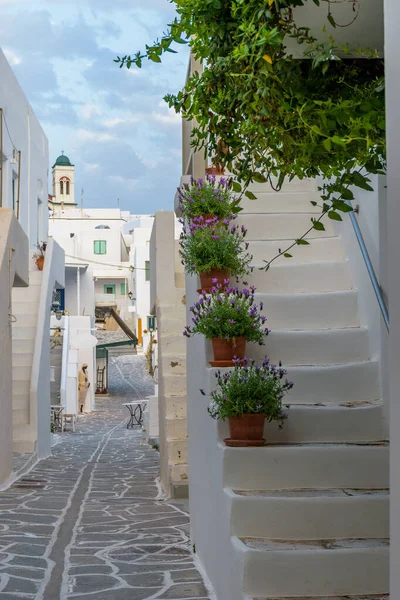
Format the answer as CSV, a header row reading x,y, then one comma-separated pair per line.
x,y
307,515
31,354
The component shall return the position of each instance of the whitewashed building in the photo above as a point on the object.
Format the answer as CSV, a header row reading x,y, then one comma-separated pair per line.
x,y
24,313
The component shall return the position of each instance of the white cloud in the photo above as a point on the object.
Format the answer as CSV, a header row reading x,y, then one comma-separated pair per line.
x,y
88,111
109,123
90,136
12,58
91,167
168,118
130,184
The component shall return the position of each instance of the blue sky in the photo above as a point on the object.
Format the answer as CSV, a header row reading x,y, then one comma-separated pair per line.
x,y
112,123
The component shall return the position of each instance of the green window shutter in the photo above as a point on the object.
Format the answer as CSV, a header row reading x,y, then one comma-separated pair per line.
x,y
100,247
147,271
123,289
109,288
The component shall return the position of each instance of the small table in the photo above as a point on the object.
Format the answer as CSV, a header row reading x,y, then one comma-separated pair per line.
x,y
136,409
56,412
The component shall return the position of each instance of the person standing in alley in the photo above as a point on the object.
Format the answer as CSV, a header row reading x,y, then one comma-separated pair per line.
x,y
83,385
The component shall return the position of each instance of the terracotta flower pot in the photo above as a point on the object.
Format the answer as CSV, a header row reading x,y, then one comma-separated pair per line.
x,y
215,170
225,350
246,430
40,263
206,279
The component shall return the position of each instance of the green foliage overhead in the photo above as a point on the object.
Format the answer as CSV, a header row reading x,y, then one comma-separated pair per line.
x,y
265,115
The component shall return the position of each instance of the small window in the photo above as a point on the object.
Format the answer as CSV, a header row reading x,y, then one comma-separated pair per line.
x,y
61,187
151,323
109,289
123,289
147,270
100,247
67,186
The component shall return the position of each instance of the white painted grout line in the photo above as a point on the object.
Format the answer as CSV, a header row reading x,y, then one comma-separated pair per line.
x,y
67,551
59,522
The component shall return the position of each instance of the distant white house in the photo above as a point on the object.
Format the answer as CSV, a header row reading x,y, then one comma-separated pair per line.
x,y
106,253
139,230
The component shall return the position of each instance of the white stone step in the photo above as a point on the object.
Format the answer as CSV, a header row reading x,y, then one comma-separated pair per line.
x,y
20,416
328,423
20,401
25,307
35,277
22,359
319,250
282,202
313,569
310,514
25,319
315,347
295,185
291,277
21,373
23,439
327,310
21,387
282,226
21,333
353,382
328,384
308,466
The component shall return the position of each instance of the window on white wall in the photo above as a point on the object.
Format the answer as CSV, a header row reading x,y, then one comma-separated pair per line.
x,y
147,270
67,186
61,187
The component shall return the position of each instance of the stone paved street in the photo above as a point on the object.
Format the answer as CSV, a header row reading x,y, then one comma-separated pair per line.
x,y
89,522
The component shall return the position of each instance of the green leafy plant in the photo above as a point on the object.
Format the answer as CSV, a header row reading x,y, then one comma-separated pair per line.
x,y
212,244
209,196
228,313
266,116
150,353
250,388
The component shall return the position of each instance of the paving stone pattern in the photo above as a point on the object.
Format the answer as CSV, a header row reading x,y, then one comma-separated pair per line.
x,y
90,522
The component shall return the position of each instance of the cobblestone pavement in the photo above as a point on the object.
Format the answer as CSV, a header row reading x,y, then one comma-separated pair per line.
x,y
90,522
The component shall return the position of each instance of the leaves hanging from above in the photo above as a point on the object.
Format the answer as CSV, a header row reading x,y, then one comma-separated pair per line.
x,y
266,116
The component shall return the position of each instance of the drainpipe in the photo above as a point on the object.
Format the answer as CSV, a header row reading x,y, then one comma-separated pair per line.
x,y
78,291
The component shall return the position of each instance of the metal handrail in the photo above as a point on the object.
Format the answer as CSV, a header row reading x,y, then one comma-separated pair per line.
x,y
370,268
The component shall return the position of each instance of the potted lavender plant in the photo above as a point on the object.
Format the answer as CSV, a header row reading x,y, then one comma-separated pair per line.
x,y
229,317
214,250
208,197
248,395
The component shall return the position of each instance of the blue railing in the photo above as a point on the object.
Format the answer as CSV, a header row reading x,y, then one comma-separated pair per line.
x,y
370,268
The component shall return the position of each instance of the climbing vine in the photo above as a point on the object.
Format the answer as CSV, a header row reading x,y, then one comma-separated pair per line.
x,y
266,116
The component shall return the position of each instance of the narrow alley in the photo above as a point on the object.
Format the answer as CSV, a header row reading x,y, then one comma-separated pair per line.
x,y
89,522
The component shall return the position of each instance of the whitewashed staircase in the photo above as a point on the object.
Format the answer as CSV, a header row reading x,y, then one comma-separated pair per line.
x,y
25,306
309,512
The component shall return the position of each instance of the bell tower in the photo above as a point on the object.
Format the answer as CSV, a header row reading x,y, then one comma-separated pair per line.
x,y
63,183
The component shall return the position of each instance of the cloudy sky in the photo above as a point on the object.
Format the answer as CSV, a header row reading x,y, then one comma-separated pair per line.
x,y
111,122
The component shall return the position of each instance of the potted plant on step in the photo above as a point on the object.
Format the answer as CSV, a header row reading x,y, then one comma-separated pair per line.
x,y
208,197
215,251
248,395
228,317
39,255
